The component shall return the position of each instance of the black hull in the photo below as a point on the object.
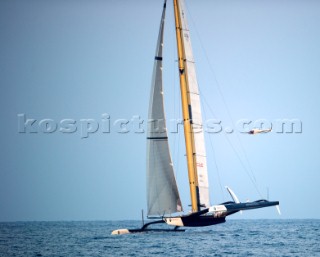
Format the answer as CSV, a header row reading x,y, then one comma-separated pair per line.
x,y
201,221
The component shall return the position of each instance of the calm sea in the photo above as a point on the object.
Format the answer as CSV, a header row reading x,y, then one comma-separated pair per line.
x,y
92,238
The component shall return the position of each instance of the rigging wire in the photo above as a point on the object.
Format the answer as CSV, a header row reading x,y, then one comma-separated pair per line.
x,y
252,176
235,151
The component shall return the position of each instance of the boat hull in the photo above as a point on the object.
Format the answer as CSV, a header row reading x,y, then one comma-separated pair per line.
x,y
195,221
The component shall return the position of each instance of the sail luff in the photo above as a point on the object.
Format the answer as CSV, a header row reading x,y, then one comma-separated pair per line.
x,y
198,168
162,192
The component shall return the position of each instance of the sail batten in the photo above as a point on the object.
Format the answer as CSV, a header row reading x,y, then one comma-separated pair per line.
x,y
162,192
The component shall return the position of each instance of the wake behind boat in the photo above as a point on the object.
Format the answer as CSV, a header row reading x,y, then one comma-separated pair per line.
x,y
163,197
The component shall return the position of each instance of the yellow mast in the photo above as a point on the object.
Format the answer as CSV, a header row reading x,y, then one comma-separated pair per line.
x,y
186,106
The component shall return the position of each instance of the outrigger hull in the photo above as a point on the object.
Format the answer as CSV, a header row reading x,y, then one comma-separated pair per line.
x,y
145,228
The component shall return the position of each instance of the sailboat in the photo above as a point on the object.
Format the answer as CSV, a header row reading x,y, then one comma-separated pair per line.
x,y
163,199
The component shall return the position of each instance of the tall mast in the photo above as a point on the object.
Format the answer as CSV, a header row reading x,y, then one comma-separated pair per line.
x,y
186,111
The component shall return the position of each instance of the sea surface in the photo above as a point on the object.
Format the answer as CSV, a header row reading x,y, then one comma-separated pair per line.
x,y
93,238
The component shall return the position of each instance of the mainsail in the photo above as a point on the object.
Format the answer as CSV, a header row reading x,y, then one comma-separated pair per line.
x,y
195,111
162,192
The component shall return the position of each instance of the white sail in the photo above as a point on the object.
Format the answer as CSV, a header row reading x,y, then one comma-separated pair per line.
x,y
162,192
195,111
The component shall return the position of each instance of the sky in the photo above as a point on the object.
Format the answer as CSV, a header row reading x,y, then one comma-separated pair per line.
x,y
75,68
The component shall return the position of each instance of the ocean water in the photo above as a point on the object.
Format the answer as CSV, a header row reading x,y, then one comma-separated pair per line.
x,y
93,238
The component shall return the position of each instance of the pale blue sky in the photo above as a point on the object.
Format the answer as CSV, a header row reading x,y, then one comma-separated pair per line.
x,y
81,59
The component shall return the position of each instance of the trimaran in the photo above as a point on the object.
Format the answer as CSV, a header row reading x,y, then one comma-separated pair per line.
x,y
162,192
